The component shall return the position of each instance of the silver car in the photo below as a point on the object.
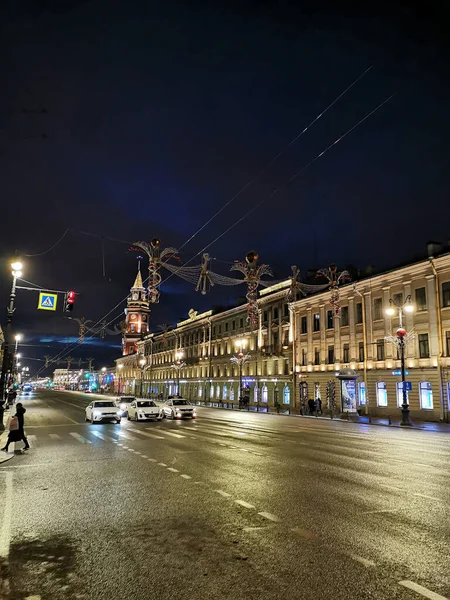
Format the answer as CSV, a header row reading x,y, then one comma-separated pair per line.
x,y
178,408
142,410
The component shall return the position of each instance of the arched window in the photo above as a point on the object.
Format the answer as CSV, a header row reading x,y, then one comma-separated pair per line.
x,y
286,395
225,392
231,394
218,392
211,392
264,393
255,394
200,391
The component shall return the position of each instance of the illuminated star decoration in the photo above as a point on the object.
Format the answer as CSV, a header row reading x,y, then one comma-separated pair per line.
x,y
334,280
252,276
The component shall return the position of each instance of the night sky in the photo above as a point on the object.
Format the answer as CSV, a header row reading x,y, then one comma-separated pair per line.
x,y
131,120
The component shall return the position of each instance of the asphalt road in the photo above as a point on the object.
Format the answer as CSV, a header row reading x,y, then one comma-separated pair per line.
x,y
230,506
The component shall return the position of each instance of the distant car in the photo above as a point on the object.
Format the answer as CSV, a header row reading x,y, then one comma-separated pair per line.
x,y
103,410
178,408
141,410
27,389
124,402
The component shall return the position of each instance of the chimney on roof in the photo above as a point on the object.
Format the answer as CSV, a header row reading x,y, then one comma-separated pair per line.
x,y
434,248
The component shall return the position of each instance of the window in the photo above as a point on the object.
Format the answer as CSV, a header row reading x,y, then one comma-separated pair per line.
x,y
446,294
225,392
211,392
398,299
399,387
304,325
233,325
362,393
424,348
275,313
344,316
447,338
241,323
265,315
316,322
377,309
232,394
303,357
382,399
426,395
421,299
359,315
316,356
286,310
226,326
330,355
220,328
346,354
264,393
200,391
380,349
329,319
218,392
361,351
286,395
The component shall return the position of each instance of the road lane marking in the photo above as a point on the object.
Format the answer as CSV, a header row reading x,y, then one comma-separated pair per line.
x,y
144,456
99,435
152,460
130,450
33,598
364,561
127,436
415,587
254,528
376,512
172,470
304,533
221,492
244,504
175,435
80,438
428,497
270,516
137,452
186,476
161,464
150,435
54,436
5,531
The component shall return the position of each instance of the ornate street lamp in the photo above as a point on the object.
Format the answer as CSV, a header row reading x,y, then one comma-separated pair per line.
x,y
400,340
178,365
142,363
240,359
16,271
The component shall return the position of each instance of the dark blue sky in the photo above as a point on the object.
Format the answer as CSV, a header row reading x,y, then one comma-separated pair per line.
x,y
156,114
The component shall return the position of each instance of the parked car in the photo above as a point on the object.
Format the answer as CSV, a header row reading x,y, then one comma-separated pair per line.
x,y
178,408
103,410
141,410
124,402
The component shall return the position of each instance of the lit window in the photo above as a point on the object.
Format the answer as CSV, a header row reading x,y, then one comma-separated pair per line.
x,y
218,392
362,394
255,394
200,391
231,394
211,392
286,395
426,395
400,394
264,393
225,392
316,322
382,399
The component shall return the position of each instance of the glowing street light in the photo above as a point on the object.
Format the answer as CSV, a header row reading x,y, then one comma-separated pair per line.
x,y
178,365
16,272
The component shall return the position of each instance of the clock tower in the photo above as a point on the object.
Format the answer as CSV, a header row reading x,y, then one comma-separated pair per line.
x,y
137,313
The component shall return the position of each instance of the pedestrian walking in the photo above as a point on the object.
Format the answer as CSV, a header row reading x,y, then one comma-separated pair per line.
x,y
311,406
319,406
16,428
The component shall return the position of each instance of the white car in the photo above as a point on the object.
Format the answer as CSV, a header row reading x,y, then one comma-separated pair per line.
x,y
178,408
140,410
124,402
103,410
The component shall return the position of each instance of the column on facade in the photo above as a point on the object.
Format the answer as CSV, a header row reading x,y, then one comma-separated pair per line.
x,y
352,329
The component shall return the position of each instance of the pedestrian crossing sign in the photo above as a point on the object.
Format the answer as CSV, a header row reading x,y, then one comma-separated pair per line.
x,y
47,301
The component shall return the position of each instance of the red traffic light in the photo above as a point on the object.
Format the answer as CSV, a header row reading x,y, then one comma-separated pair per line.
x,y
70,297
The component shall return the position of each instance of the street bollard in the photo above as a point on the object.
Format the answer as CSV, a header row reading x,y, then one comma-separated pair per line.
x,y
389,420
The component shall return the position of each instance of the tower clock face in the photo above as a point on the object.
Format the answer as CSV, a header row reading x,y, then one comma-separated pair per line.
x,y
133,317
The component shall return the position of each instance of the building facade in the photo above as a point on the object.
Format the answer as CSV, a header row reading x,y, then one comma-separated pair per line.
x,y
356,339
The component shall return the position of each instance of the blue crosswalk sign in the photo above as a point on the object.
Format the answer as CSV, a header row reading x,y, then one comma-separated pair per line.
x,y
47,301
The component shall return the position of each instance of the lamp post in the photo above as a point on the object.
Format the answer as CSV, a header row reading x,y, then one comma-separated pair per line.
x,y
142,362
16,271
178,365
120,367
240,359
400,339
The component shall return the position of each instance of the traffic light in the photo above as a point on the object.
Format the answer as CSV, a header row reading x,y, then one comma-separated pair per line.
x,y
69,301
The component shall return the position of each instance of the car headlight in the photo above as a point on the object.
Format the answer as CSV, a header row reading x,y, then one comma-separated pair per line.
x,y
97,413
178,414
119,414
123,406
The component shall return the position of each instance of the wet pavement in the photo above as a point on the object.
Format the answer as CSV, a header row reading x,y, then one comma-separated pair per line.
x,y
232,505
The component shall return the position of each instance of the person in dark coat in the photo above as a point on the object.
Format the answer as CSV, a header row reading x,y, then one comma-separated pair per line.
x,y
311,406
18,434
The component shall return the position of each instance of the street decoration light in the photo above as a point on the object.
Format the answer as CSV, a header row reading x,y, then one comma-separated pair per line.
x,y
178,365
400,339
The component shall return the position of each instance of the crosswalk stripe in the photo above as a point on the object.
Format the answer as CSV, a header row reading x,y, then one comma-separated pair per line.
x,y
127,436
150,435
100,435
175,435
31,438
80,438
55,436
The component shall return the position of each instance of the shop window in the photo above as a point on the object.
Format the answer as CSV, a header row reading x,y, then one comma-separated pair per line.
x,y
232,394
377,309
200,391
380,349
424,348
225,392
361,351
362,393
359,313
218,392
399,387
286,395
329,319
344,316
211,392
426,395
255,394
346,354
304,325
316,322
421,299
382,399
264,393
